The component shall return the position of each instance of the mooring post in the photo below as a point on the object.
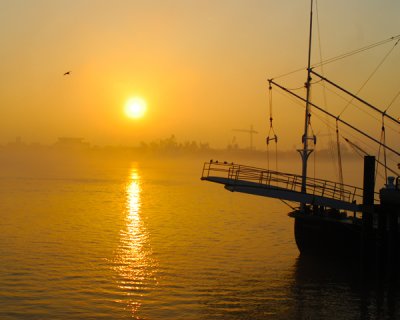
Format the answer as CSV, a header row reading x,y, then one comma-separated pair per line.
x,y
381,239
393,238
368,209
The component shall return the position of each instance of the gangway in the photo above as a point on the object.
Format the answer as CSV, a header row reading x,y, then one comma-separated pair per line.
x,y
285,186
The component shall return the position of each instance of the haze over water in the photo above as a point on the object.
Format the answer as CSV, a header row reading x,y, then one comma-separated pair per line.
x,y
91,239
102,211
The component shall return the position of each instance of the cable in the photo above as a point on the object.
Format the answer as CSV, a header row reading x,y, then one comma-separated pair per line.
x,y
342,56
339,155
351,53
372,74
391,102
330,148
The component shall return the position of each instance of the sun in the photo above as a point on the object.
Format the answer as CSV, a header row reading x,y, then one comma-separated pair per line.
x,y
135,108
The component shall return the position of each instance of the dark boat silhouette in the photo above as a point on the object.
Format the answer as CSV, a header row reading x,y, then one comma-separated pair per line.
x,y
333,219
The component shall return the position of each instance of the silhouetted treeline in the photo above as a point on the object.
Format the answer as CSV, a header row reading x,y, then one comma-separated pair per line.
x,y
171,146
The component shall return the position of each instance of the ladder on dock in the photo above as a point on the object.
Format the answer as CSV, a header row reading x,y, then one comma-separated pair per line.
x,y
285,186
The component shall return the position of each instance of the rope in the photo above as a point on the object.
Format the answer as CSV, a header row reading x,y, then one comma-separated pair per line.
x,y
383,140
342,56
331,144
339,155
345,100
372,74
271,133
291,207
391,102
351,53
361,152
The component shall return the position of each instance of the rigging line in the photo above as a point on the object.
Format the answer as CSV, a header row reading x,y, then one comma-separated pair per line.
x,y
368,146
349,101
303,86
342,56
373,73
330,148
291,98
356,148
362,153
285,202
314,155
339,155
297,88
271,133
355,97
350,133
372,150
289,73
270,104
364,111
331,115
316,82
391,102
384,142
276,156
351,53
314,140
361,142
328,124
343,130
378,160
297,102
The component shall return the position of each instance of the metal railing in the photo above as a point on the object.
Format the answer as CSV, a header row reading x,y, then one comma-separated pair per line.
x,y
236,174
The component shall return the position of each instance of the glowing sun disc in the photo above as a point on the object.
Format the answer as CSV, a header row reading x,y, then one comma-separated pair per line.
x,y
135,108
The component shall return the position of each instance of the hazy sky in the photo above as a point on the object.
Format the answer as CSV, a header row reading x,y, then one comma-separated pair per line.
x,y
201,65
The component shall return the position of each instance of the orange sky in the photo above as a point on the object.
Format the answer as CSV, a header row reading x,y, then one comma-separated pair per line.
x,y
202,66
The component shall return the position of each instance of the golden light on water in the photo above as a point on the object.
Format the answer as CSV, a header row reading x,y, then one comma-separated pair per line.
x,y
133,192
135,108
134,263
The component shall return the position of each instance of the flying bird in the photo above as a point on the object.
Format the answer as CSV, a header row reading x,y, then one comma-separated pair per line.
x,y
67,73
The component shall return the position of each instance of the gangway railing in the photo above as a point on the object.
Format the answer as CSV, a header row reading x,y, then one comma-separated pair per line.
x,y
232,175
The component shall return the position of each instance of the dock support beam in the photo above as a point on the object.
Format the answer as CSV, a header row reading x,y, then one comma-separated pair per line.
x,y
368,209
393,213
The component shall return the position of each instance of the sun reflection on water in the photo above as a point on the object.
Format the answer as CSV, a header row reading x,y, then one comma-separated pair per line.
x,y
134,263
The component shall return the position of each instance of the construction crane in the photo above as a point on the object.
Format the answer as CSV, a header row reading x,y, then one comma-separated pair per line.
x,y
250,132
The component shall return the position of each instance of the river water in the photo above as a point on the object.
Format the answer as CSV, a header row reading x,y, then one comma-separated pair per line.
x,y
149,240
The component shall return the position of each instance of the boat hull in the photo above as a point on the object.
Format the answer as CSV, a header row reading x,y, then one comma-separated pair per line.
x,y
321,236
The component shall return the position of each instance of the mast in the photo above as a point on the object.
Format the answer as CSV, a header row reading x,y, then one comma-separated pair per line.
x,y
305,152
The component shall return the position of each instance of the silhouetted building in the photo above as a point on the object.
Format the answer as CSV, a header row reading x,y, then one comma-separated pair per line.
x,y
70,143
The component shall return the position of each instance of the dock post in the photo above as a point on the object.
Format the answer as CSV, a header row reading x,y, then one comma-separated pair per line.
x,y
382,240
393,240
368,209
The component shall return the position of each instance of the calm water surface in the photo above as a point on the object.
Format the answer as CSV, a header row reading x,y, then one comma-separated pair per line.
x,y
147,240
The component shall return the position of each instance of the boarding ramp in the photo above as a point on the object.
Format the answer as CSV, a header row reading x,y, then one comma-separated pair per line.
x,y
285,186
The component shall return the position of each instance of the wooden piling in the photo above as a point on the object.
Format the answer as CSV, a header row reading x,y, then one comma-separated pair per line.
x,y
368,210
